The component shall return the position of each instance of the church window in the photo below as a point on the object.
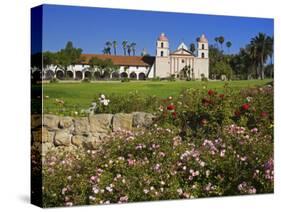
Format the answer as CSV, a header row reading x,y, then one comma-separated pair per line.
x,y
162,53
162,44
203,46
203,55
182,60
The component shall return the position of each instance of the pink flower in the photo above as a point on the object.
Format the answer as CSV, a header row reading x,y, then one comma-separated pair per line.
x,y
131,162
123,199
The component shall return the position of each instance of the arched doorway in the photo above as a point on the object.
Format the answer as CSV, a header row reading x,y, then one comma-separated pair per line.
x,y
69,75
115,75
141,76
88,74
97,75
133,75
124,75
106,75
49,74
78,75
60,74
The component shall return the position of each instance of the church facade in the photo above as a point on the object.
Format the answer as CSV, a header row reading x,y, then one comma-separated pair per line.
x,y
180,63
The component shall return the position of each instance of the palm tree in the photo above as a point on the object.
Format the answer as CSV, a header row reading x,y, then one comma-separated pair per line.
x,y
114,43
228,45
108,44
192,47
124,44
217,40
270,51
129,49
133,47
262,45
221,41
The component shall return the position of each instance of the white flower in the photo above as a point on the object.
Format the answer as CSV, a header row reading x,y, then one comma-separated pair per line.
x,y
108,188
102,96
145,191
179,191
95,190
92,198
249,99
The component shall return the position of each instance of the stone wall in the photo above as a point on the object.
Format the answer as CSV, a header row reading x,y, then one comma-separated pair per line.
x,y
50,131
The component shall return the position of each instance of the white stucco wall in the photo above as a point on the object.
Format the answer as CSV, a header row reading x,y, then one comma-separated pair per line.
x,y
162,67
201,66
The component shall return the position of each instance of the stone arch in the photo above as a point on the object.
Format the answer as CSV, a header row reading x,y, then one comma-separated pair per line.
x,y
141,76
97,75
133,75
88,74
49,74
106,75
124,75
69,74
78,75
115,75
60,74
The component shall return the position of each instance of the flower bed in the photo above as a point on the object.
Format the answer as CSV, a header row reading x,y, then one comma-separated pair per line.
x,y
204,143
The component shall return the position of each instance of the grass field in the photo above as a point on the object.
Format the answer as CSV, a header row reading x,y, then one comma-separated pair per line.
x,y
80,95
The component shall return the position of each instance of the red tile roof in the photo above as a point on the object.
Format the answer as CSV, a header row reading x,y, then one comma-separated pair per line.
x,y
121,60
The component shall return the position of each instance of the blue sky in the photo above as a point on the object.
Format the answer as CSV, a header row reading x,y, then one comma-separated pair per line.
x,y
89,28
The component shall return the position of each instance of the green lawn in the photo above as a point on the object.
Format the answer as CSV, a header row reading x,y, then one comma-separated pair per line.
x,y
80,95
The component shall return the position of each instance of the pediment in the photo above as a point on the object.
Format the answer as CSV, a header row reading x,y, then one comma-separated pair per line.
x,y
182,52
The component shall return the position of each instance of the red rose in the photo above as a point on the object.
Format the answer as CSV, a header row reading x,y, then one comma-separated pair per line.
x,y
245,106
174,114
264,114
171,107
237,113
221,96
211,92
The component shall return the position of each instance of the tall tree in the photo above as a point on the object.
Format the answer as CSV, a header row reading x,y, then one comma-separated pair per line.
x,y
228,45
129,49
221,41
48,59
114,43
192,48
124,45
261,43
108,46
68,56
217,41
133,48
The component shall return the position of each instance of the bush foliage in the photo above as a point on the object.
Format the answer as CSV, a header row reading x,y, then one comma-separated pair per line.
x,y
202,144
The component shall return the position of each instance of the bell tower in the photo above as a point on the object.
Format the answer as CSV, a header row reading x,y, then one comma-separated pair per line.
x,y
162,46
162,66
203,47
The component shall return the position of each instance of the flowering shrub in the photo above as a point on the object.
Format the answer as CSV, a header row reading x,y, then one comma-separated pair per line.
x,y
204,143
142,166
203,113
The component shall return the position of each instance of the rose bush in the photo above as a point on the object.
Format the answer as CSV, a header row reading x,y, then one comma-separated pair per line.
x,y
204,143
